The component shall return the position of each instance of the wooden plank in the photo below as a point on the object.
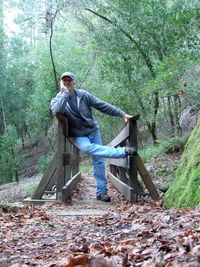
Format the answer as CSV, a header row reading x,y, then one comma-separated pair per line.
x,y
52,181
119,162
123,188
64,122
45,179
147,179
68,168
67,189
38,201
123,135
60,170
75,161
133,169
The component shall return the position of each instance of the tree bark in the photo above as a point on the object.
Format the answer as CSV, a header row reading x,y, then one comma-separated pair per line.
x,y
3,115
170,114
51,52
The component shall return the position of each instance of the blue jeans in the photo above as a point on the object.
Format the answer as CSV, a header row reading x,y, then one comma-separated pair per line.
x,y
92,145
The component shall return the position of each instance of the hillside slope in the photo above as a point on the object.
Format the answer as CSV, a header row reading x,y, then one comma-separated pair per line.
x,y
185,190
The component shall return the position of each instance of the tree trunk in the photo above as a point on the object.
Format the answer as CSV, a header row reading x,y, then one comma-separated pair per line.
x,y
170,114
3,115
177,105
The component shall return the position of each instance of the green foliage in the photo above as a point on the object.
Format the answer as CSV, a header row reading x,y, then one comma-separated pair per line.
x,y
43,162
85,166
165,146
146,47
185,190
9,159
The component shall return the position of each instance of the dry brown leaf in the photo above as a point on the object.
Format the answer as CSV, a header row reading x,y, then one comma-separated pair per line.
x,y
78,260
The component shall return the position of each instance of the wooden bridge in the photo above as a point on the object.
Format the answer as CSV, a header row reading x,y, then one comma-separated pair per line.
x,y
63,172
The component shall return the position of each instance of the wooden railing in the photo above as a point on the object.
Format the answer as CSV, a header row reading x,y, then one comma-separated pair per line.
x,y
63,171
123,172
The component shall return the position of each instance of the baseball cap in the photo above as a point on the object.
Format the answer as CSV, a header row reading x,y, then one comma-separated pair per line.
x,y
68,74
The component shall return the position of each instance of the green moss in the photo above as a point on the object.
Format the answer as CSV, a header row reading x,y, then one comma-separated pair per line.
x,y
185,190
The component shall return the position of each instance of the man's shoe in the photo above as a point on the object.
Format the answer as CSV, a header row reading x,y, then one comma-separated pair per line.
x,y
130,151
103,197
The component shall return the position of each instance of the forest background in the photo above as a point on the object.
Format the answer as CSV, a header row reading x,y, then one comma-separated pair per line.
x,y
141,56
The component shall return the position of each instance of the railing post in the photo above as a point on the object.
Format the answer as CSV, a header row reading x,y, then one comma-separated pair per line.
x,y
75,161
60,167
62,154
133,164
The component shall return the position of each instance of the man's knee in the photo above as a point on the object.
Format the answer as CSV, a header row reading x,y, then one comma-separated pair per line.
x,y
86,148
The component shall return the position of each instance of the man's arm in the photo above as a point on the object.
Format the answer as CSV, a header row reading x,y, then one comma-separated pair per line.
x,y
107,108
58,103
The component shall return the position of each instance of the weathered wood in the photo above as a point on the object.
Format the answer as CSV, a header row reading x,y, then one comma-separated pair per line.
x,y
60,171
64,122
68,167
38,201
119,162
75,161
64,165
52,181
123,135
133,172
134,118
147,179
123,188
49,173
67,189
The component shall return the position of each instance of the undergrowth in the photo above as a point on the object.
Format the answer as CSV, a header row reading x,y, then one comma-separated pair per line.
x,y
171,145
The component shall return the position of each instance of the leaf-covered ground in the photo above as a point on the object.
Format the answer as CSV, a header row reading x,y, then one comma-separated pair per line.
x,y
142,234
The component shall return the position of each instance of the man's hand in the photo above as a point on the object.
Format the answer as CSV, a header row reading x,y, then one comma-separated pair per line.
x,y
126,117
62,87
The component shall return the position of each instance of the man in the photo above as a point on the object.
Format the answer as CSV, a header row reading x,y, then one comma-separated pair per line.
x,y
83,129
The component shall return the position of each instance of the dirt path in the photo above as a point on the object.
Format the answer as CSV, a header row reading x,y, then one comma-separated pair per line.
x,y
86,232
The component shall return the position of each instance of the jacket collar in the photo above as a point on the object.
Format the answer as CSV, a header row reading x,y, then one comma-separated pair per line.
x,y
80,93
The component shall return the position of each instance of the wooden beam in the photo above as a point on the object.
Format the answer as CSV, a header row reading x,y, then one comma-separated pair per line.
x,y
38,201
52,182
134,118
119,162
60,170
65,126
147,179
123,135
133,169
123,188
67,189
48,175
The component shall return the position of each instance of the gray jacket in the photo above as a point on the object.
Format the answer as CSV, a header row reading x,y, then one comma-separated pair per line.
x,y
85,102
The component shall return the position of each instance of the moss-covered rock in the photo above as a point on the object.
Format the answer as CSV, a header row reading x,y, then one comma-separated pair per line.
x,y
185,190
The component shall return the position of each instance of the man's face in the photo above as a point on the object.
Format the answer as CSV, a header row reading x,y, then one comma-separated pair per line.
x,y
68,82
